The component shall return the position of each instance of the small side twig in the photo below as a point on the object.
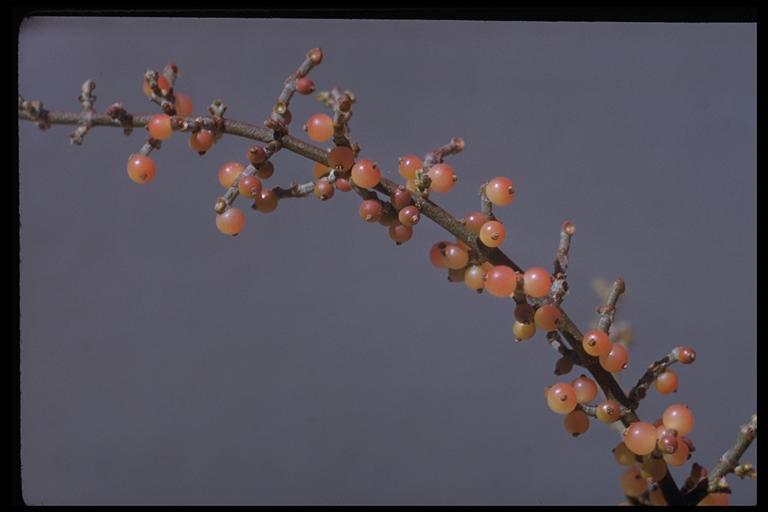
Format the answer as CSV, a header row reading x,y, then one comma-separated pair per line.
x,y
715,480
561,258
607,311
730,459
639,391
486,206
35,112
342,113
233,191
280,117
165,100
87,99
436,156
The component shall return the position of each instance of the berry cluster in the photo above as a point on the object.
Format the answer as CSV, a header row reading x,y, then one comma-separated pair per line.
x,y
472,258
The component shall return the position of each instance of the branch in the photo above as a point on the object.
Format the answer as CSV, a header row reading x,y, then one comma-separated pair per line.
x,y
275,131
715,481
607,312
655,369
281,116
87,99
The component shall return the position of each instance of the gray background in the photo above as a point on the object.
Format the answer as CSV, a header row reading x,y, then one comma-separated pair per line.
x,y
310,360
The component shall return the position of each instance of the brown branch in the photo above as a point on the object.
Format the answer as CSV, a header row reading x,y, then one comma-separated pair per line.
x,y
561,258
715,480
87,99
655,369
566,327
280,117
607,312
164,100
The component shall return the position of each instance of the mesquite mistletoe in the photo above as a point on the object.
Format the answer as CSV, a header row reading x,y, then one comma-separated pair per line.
x,y
474,257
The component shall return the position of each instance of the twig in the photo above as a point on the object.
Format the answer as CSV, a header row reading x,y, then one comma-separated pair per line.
x,y
34,111
436,156
715,481
639,391
165,100
486,206
280,117
341,104
607,312
566,327
730,459
87,99
561,258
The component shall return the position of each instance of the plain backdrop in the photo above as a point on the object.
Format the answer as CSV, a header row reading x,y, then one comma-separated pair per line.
x,y
310,360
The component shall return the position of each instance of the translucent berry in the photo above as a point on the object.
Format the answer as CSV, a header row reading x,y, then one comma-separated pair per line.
x,y
437,255
230,222
474,221
474,277
715,499
547,317
265,170
319,170
343,185
653,468
323,189
608,411
524,312
305,86
249,186
686,355
443,177
666,382
561,398
640,437
493,233
366,174
667,443
623,455
632,483
400,233
266,201
678,417
596,343
319,127
537,282
341,158
656,496
409,216
201,141
615,360
500,191
141,168
501,281
370,210
523,331
408,165
159,127
256,154
400,198
411,185
456,257
229,172
585,388
182,103
680,456
576,422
